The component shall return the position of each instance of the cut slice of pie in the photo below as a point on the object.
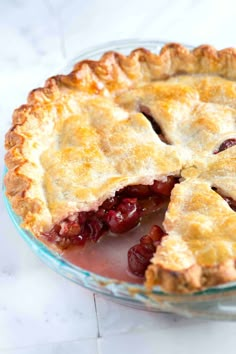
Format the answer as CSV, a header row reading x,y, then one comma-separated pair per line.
x,y
98,149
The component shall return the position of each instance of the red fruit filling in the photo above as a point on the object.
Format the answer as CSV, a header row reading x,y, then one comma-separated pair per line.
x,y
163,187
226,145
139,255
118,214
124,217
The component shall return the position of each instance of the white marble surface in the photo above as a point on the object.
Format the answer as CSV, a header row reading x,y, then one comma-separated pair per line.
x,y
40,312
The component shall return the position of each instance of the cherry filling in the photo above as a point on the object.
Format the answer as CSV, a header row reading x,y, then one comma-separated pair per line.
x,y
139,255
117,214
225,145
126,216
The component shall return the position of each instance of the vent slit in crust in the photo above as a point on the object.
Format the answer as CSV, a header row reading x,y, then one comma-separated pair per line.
x,y
155,126
225,145
231,202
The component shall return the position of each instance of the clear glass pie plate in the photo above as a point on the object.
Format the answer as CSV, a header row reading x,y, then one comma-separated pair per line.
x,y
215,303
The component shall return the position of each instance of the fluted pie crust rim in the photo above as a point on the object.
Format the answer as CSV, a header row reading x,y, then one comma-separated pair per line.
x,y
112,75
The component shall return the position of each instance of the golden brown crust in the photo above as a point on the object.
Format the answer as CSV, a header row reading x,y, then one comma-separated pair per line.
x,y
120,84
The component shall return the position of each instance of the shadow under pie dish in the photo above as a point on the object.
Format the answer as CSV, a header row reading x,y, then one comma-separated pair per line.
x,y
98,149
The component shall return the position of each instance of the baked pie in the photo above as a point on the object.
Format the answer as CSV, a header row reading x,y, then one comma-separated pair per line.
x,y
117,139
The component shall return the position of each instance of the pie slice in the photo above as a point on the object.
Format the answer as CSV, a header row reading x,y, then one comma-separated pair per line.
x,y
99,149
200,246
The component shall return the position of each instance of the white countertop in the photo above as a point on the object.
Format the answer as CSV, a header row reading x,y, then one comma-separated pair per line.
x,y
41,312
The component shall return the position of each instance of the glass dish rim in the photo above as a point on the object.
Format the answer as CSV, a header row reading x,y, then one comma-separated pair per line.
x,y
45,252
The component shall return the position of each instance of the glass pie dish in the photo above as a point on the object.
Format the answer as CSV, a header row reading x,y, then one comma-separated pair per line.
x,y
214,303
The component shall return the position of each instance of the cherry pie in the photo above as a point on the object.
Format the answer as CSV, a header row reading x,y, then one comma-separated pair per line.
x,y
98,149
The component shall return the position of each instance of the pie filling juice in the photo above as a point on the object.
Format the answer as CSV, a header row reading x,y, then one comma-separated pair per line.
x,y
119,239
109,256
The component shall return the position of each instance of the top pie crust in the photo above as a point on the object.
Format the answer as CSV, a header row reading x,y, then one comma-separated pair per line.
x,y
82,137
